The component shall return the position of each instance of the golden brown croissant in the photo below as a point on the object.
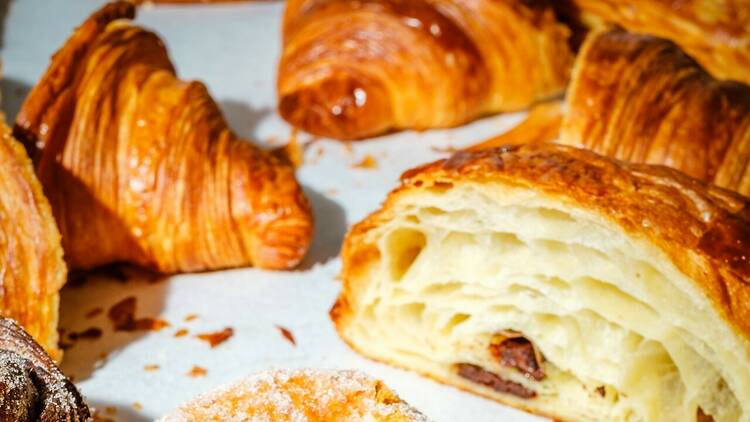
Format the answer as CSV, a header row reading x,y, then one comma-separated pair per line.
x,y
716,33
641,99
352,69
32,270
561,282
32,388
300,395
140,166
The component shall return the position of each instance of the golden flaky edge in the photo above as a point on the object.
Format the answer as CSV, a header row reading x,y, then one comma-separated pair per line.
x,y
31,258
684,214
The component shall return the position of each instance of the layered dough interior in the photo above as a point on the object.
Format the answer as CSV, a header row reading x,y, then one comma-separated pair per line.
x,y
480,295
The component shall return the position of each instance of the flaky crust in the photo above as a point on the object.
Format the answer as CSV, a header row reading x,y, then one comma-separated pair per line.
x,y
291,395
32,270
353,69
714,32
704,230
141,167
641,99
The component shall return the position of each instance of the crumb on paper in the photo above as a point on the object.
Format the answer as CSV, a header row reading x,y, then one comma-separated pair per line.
x,y
92,333
137,406
94,312
122,316
367,162
182,332
287,335
197,372
151,368
191,317
216,338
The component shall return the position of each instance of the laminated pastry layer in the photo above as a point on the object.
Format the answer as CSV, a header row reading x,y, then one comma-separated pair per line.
x,y
503,288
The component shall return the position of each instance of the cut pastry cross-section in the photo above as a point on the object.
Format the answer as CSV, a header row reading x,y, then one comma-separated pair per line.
x,y
561,282
298,396
141,167
353,69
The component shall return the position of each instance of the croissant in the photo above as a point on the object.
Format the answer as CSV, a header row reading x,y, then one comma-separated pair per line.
x,y
141,167
32,270
641,99
352,69
716,33
560,282
300,395
32,388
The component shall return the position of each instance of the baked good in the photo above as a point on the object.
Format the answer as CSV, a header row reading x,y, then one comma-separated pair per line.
x,y
561,282
32,270
542,124
32,388
141,167
352,69
716,33
300,395
641,99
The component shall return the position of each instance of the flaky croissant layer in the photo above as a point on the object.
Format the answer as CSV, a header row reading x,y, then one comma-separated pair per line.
x,y
353,69
142,167
560,282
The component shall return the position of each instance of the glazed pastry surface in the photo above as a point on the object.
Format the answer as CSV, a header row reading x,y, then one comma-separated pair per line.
x,y
354,69
32,270
639,98
141,167
558,281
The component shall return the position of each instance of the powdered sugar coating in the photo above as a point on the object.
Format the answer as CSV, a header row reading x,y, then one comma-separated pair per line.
x,y
303,395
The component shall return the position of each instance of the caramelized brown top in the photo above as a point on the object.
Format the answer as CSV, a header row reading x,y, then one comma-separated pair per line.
x,y
705,230
352,69
141,166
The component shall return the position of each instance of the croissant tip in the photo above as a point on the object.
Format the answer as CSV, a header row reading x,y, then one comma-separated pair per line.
x,y
340,106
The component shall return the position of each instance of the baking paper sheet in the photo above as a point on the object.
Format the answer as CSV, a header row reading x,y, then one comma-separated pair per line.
x,y
234,49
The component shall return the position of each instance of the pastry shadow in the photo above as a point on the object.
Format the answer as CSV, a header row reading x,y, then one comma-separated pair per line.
x,y
14,92
121,414
243,118
4,7
88,335
330,229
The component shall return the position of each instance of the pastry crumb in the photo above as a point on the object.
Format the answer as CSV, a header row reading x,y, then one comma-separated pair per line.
x,y
216,338
92,333
151,368
367,162
182,332
191,317
197,372
122,316
287,335
137,406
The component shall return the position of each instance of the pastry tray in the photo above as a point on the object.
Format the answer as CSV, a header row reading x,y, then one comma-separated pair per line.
x,y
139,376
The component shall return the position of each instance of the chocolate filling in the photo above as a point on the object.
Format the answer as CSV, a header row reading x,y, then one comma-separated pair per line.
x,y
515,351
702,417
481,376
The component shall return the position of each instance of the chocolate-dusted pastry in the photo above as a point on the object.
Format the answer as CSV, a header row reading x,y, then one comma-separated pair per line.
x,y
32,388
561,282
141,167
354,69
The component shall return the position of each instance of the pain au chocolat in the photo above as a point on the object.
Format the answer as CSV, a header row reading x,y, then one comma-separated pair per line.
x,y
560,282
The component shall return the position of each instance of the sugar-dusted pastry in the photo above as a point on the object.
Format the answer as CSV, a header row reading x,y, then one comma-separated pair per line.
x,y
32,270
641,99
560,282
352,69
714,32
32,388
298,396
141,167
